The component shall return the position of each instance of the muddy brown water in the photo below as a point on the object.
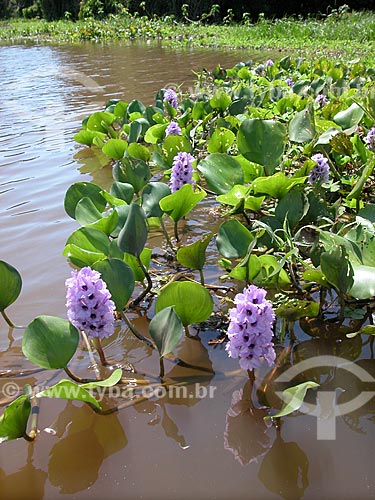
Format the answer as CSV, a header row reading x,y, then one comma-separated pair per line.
x,y
208,441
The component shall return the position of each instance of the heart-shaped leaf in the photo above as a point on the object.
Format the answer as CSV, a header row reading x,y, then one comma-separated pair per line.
x,y
221,172
119,278
133,236
13,422
191,301
180,203
11,284
166,330
194,255
50,342
233,239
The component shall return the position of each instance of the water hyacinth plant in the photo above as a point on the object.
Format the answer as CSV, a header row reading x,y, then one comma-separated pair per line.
x,y
173,129
170,97
250,329
320,173
90,308
260,143
182,171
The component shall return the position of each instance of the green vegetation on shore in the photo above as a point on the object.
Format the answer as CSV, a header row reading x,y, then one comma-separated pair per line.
x,y
346,34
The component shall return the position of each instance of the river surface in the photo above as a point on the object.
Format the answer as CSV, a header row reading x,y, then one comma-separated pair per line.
x,y
211,442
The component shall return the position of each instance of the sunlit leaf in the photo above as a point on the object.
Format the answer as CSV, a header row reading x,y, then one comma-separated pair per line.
x,y
293,399
180,203
221,172
11,284
13,422
50,342
194,255
191,301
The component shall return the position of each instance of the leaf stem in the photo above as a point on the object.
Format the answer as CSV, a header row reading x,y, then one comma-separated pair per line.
x,y
201,276
176,230
162,371
8,321
165,232
135,331
149,283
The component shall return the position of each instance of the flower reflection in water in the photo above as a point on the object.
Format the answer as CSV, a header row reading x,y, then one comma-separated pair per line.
x,y
246,434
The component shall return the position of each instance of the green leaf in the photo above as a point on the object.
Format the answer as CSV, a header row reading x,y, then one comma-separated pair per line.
x,y
365,330
133,263
180,203
13,422
138,151
302,125
221,140
155,133
174,144
11,284
276,185
296,309
363,284
119,278
100,121
249,269
87,137
81,257
85,246
293,399
292,207
194,255
123,191
220,100
233,239
337,269
151,196
221,172
349,117
66,389
115,148
134,132
50,342
240,194
81,190
262,141
86,212
133,235
166,330
191,301
136,172
271,273
112,380
356,192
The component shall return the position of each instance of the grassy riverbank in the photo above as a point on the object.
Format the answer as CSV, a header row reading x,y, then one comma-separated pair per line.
x,y
345,34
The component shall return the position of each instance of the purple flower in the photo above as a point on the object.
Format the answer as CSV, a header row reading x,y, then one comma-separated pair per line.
x,y
321,99
250,329
269,63
320,173
89,303
289,82
182,171
370,139
170,97
173,129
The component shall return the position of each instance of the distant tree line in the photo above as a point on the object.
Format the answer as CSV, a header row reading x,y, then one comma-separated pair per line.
x,y
206,10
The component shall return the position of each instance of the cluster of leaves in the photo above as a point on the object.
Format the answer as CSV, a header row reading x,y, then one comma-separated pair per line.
x,y
253,138
252,133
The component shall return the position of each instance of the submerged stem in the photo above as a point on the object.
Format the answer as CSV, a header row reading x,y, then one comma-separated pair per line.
x,y
93,362
135,331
